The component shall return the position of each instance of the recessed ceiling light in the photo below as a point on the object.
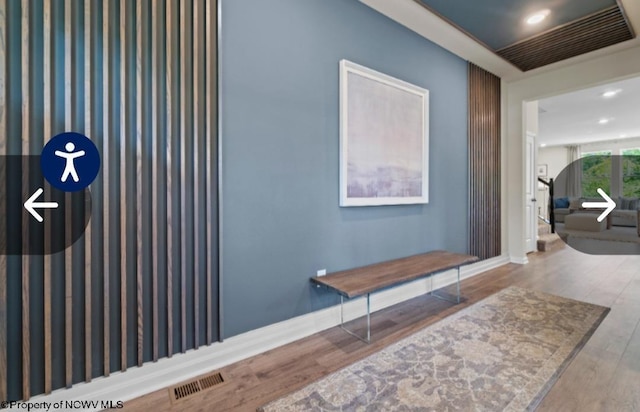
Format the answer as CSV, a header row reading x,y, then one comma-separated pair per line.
x,y
623,135
610,93
537,17
543,144
603,121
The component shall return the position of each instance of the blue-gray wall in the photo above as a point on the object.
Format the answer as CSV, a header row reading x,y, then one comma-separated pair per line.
x,y
280,149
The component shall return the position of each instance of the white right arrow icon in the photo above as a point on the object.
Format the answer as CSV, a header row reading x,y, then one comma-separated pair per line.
x,y
609,205
31,205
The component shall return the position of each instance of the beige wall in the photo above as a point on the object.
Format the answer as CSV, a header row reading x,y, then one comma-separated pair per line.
x,y
555,157
532,118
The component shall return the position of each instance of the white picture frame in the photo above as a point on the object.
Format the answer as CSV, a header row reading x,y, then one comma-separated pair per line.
x,y
384,139
542,170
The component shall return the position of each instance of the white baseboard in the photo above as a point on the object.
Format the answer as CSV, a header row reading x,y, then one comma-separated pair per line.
x,y
139,381
519,260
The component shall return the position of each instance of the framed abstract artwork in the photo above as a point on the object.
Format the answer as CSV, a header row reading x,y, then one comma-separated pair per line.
x,y
384,139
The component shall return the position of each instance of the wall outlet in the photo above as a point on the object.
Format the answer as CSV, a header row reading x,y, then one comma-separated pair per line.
x,y
321,272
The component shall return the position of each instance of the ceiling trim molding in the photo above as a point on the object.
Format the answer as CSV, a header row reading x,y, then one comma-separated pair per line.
x,y
577,76
626,17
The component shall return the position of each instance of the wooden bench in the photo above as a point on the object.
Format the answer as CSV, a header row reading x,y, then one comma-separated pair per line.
x,y
365,280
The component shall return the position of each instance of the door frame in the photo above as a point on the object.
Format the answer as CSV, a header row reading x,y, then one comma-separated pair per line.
x,y
530,192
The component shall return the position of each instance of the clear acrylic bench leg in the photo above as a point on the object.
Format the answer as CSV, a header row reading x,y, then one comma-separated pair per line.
x,y
366,339
454,300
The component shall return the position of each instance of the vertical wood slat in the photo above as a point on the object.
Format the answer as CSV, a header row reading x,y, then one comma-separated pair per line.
x,y
88,273
217,170
474,155
209,184
485,155
106,137
3,174
155,154
484,163
139,154
68,78
473,110
472,164
473,114
169,169
496,177
183,177
26,269
483,159
46,82
480,148
197,267
488,130
123,184
486,142
483,176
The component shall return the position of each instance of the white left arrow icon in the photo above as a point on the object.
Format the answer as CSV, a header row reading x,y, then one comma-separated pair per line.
x,y
609,205
31,205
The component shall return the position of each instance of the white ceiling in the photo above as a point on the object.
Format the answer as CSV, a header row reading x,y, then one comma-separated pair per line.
x,y
573,118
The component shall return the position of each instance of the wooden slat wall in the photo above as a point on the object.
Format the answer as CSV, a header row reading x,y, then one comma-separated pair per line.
x,y
593,32
484,163
141,82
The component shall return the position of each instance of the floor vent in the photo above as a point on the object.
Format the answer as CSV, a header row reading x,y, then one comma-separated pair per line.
x,y
211,380
190,388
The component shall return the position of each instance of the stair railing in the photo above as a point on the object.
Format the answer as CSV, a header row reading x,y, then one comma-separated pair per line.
x,y
552,217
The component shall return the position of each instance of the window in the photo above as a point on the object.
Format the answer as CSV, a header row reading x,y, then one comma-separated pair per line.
x,y
596,173
631,172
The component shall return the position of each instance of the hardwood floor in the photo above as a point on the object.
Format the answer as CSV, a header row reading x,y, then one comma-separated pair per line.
x,y
605,376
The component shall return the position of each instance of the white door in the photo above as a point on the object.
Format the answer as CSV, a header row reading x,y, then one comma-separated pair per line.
x,y
530,213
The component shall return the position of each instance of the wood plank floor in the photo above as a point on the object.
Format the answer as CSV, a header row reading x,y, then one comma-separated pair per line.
x,y
605,376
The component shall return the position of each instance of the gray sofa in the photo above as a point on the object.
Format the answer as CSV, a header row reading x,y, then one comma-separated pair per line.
x,y
625,213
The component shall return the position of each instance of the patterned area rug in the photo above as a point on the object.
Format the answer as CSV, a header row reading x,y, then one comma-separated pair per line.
x,y
501,354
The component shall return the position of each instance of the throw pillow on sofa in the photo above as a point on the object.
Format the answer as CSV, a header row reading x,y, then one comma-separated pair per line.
x,y
619,202
629,203
561,203
575,203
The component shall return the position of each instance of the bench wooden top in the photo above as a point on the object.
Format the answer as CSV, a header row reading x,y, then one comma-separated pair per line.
x,y
367,279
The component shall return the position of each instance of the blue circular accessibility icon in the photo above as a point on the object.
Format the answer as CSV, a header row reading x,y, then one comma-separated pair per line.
x,y
70,161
